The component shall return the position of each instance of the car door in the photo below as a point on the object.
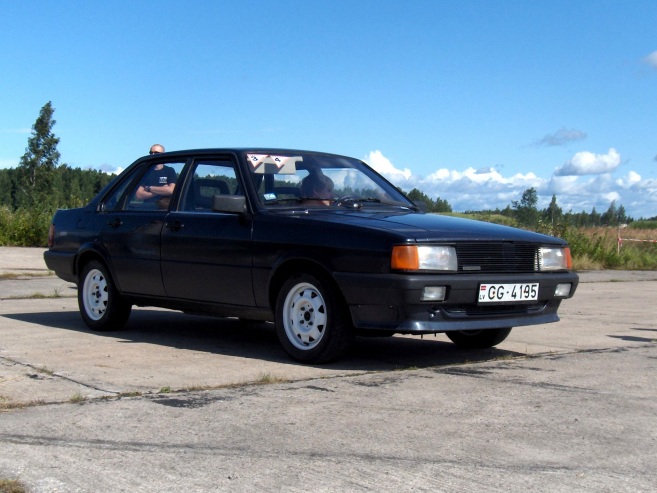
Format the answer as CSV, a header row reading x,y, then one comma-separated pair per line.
x,y
206,255
133,226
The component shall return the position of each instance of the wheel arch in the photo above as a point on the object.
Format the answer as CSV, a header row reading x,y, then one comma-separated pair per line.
x,y
88,253
289,267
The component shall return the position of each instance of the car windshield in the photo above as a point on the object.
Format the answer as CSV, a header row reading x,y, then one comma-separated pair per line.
x,y
319,180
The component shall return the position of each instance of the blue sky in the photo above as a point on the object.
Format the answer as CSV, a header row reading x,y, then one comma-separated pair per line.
x,y
471,101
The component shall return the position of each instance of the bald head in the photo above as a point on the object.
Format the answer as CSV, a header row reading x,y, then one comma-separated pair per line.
x,y
156,149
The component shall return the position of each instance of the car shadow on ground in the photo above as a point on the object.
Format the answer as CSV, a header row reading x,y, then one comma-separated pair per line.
x,y
649,338
255,340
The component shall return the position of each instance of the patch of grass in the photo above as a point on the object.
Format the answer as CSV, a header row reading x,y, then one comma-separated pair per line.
x,y
130,394
45,371
584,262
8,276
268,378
165,390
8,405
597,248
77,398
263,379
40,296
12,486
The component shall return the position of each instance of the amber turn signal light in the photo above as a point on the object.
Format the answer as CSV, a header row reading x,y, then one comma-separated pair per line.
x,y
405,257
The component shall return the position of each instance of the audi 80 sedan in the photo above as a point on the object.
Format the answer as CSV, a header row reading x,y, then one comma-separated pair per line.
x,y
319,244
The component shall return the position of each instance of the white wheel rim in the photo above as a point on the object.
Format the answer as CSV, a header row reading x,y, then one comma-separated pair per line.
x,y
94,294
304,316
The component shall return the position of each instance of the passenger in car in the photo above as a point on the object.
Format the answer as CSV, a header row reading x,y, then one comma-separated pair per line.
x,y
317,186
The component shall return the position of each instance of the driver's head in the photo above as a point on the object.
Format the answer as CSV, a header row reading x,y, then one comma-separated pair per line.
x,y
317,184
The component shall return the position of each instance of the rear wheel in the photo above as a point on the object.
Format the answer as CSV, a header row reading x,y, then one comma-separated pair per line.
x,y
101,306
311,320
478,339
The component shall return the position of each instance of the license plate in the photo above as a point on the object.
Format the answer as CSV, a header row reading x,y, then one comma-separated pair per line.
x,y
499,293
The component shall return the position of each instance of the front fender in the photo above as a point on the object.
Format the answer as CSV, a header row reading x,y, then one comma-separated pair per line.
x,y
267,281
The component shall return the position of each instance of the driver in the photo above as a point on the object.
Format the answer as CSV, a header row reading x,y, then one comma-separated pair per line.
x,y
318,187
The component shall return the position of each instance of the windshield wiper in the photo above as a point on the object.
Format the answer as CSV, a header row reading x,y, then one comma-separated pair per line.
x,y
356,202
282,201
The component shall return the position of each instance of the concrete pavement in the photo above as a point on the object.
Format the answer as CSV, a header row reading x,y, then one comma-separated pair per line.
x,y
181,403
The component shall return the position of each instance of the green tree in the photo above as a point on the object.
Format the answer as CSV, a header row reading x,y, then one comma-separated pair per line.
x,y
622,215
553,214
595,219
418,196
526,211
442,205
38,164
610,218
438,205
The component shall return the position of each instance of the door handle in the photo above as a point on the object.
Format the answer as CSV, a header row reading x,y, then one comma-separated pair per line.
x,y
176,225
115,223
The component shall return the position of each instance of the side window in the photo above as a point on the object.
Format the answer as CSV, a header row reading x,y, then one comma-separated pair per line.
x,y
114,201
155,188
208,178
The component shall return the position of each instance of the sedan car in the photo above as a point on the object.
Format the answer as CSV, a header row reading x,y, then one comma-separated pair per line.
x,y
317,243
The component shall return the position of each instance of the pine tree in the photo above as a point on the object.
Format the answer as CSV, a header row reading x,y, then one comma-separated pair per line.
x,y
40,160
553,214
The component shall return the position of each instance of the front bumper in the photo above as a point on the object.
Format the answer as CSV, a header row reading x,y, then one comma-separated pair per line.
x,y
393,301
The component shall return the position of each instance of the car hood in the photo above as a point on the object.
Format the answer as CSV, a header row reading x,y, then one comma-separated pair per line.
x,y
423,227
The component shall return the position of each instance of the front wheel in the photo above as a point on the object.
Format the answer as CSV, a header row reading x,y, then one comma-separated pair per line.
x,y
311,320
101,306
478,339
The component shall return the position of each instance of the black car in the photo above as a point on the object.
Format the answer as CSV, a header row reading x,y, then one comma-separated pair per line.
x,y
320,244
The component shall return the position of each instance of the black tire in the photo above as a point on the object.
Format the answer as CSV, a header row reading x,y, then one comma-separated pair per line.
x,y
311,320
101,306
478,339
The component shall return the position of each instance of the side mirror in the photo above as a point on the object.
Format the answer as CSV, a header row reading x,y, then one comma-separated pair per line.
x,y
229,203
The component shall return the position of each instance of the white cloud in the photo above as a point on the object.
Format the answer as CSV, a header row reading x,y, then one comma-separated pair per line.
x,y
487,188
588,163
107,168
651,59
630,179
613,197
470,189
563,185
383,165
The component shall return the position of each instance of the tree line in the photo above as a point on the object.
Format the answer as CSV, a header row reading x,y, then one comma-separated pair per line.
x,y
526,213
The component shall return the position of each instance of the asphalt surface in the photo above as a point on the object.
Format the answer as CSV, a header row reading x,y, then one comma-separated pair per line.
x,y
181,403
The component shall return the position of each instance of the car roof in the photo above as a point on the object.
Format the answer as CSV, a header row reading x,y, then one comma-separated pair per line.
x,y
259,150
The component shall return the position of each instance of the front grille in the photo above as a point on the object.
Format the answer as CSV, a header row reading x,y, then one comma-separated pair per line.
x,y
497,258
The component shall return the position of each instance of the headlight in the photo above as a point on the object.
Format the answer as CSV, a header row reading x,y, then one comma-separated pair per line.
x,y
414,257
555,258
